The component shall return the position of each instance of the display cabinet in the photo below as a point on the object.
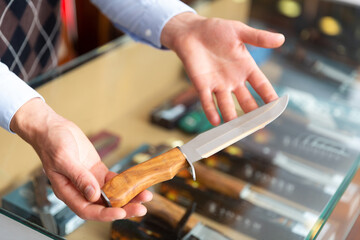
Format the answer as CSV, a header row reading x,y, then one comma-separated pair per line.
x,y
285,180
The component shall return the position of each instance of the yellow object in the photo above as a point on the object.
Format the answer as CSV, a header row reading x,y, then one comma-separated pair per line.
x,y
329,26
234,151
289,8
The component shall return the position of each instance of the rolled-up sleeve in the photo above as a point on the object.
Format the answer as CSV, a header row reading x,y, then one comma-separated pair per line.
x,y
143,20
14,93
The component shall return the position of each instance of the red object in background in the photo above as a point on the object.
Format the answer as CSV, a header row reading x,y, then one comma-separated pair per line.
x,y
68,16
104,142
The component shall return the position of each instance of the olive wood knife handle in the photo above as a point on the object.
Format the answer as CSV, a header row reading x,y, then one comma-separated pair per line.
x,y
126,185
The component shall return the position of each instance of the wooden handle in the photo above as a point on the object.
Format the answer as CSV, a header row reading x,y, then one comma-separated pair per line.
x,y
169,211
218,181
126,185
232,186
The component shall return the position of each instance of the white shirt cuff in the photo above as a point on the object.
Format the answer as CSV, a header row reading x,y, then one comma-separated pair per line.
x,y
13,94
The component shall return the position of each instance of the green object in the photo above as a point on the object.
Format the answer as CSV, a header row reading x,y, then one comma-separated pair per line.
x,y
195,122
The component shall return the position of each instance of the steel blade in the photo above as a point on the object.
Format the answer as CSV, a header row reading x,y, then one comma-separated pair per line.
x,y
202,232
212,141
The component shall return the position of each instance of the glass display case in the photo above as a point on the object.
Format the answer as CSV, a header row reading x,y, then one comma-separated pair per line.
x,y
284,180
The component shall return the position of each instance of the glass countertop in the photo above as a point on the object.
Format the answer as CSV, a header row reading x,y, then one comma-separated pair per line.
x,y
294,171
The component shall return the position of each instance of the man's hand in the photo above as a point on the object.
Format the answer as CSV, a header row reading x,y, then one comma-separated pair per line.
x,y
71,163
216,60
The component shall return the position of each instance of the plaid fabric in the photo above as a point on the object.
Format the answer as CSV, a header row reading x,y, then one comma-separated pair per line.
x,y
29,30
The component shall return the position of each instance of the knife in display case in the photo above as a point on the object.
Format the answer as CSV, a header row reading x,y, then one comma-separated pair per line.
x,y
166,209
238,189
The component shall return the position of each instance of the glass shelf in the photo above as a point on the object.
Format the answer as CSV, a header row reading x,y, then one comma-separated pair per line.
x,y
295,170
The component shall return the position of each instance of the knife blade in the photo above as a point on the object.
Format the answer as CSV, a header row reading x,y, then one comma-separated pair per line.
x,y
125,186
202,232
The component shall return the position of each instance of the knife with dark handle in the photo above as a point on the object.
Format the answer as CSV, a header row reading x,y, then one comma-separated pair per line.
x,y
126,185
172,213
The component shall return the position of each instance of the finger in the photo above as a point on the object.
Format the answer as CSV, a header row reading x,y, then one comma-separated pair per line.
x,y
245,99
85,180
261,38
144,196
226,105
134,210
209,107
262,86
65,190
109,176
98,212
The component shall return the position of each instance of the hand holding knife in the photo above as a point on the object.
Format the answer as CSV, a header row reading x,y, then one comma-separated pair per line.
x,y
126,185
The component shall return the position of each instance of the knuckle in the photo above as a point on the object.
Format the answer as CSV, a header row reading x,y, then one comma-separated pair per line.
x,y
209,108
58,194
79,180
82,215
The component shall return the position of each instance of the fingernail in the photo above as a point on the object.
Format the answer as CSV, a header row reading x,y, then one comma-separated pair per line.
x,y
142,212
281,36
89,192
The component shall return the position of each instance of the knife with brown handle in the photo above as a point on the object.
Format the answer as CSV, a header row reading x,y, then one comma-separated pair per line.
x,y
171,212
238,189
196,227
126,185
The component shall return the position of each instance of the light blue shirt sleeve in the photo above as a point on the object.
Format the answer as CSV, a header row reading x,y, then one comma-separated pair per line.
x,y
14,93
143,20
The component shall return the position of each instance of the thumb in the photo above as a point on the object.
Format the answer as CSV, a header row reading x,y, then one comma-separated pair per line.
x,y
85,182
261,38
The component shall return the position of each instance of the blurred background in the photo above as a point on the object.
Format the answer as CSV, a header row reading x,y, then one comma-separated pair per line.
x,y
330,26
322,40
314,148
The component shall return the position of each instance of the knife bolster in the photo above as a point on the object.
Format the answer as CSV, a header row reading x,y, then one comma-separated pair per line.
x,y
105,199
191,166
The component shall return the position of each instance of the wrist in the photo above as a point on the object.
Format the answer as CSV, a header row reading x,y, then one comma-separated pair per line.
x,y
178,29
32,120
